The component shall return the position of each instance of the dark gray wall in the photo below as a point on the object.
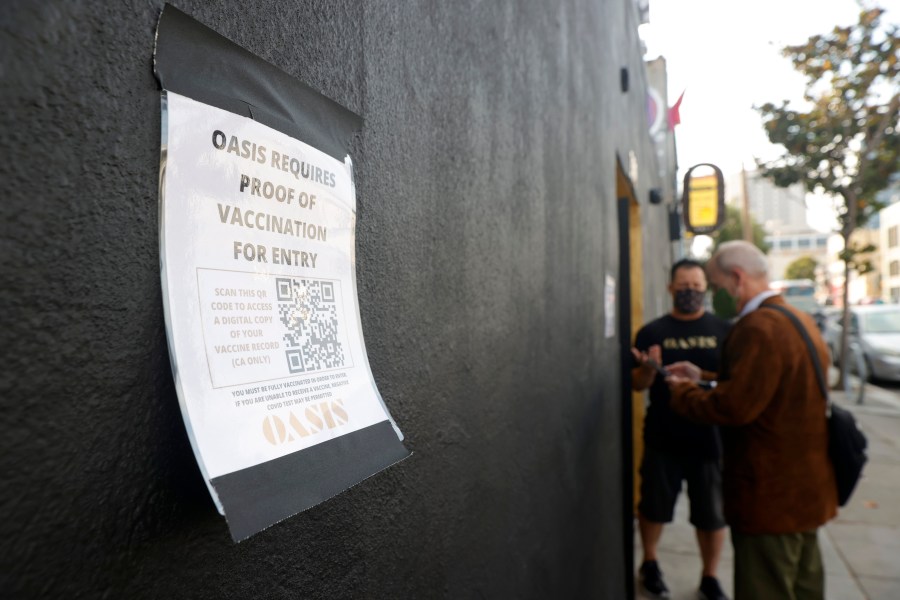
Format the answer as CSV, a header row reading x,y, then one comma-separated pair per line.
x,y
486,224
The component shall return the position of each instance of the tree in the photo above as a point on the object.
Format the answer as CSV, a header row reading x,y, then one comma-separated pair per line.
x,y
802,268
844,141
733,229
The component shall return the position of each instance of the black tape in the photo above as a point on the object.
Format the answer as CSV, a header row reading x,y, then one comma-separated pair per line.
x,y
193,60
257,497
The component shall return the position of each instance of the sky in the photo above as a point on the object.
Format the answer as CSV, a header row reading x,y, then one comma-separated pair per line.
x,y
725,56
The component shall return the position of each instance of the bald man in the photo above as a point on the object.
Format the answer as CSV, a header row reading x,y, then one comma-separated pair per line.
x,y
778,482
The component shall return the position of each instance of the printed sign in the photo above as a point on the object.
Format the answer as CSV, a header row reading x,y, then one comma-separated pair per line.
x,y
609,307
704,200
257,234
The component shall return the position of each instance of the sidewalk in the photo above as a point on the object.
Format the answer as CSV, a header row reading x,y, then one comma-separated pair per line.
x,y
860,548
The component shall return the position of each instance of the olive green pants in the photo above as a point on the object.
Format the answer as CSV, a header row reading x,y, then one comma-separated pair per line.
x,y
778,567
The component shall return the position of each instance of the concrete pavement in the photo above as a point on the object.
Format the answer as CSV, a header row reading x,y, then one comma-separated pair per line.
x,y
861,547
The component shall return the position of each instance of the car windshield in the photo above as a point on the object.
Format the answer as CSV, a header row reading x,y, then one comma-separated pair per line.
x,y
883,322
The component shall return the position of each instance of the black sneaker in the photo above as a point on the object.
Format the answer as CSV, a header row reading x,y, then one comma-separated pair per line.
x,y
710,589
651,579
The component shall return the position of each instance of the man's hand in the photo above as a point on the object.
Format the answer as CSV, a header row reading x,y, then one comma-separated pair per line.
x,y
674,380
648,362
683,370
646,359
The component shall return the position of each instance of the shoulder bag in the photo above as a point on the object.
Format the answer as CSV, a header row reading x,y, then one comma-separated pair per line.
x,y
846,443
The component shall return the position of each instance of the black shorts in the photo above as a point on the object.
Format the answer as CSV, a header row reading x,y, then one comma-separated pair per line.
x,y
661,479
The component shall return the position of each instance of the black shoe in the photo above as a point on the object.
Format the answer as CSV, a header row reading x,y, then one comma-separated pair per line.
x,y
710,589
651,579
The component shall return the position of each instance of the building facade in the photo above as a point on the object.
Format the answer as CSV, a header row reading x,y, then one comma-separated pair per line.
x,y
500,143
786,247
864,287
782,214
889,242
775,208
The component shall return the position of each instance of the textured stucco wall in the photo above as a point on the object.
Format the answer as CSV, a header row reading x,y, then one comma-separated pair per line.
x,y
486,191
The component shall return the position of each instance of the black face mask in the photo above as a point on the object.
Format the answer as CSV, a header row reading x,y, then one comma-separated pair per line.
x,y
689,301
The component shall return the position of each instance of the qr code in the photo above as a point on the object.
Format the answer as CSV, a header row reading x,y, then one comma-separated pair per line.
x,y
308,308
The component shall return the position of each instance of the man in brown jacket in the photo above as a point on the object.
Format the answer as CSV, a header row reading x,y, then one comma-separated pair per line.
x,y
778,482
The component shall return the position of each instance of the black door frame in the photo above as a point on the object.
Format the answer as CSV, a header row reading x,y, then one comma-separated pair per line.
x,y
623,206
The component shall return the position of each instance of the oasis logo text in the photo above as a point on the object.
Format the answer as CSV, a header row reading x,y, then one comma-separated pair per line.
x,y
310,420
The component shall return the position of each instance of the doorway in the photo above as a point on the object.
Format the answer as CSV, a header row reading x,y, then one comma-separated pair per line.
x,y
631,318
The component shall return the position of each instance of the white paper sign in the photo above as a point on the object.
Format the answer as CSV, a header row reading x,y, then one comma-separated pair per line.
x,y
259,290
609,309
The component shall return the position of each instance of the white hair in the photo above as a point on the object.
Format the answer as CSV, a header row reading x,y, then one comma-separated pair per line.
x,y
742,255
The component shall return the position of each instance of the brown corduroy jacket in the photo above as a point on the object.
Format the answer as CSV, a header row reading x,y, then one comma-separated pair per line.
x,y
777,477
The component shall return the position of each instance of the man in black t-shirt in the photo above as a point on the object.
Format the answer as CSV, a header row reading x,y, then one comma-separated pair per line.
x,y
675,449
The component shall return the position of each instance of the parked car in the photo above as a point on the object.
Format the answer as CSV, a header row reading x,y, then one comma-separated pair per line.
x,y
875,331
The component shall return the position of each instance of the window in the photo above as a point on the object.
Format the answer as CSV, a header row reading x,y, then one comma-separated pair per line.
x,y
887,321
804,243
784,244
821,242
894,268
892,236
895,295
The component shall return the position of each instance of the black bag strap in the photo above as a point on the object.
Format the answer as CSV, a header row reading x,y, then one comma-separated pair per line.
x,y
809,344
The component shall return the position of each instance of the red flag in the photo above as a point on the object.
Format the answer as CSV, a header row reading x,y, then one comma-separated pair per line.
x,y
675,114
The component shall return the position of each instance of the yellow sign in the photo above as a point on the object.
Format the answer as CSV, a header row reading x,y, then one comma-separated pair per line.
x,y
704,201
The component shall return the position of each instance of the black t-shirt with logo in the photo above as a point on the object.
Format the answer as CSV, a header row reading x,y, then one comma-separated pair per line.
x,y
698,341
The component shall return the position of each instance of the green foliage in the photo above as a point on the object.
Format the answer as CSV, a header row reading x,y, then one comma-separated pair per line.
x,y
802,268
853,256
723,305
845,142
733,229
